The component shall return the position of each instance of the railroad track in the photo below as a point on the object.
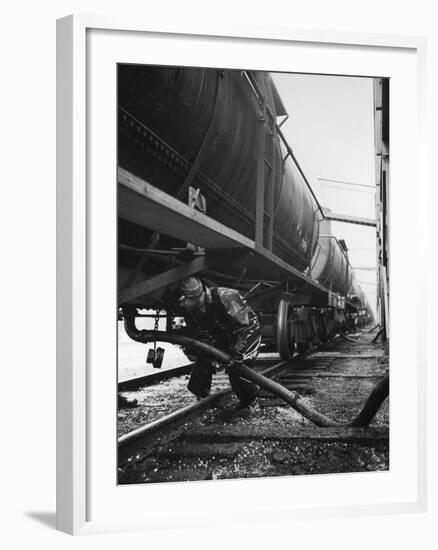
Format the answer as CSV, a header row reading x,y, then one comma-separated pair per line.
x,y
133,384
209,439
129,443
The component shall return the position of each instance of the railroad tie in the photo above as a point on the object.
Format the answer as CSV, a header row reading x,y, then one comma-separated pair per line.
x,y
201,449
237,433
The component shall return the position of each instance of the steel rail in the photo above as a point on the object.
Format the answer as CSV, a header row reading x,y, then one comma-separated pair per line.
x,y
143,431
131,384
373,403
147,429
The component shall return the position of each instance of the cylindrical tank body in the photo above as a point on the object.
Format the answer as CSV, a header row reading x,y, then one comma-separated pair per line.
x,y
331,267
173,118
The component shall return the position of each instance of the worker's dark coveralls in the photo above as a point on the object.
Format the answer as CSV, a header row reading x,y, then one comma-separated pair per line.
x,y
232,326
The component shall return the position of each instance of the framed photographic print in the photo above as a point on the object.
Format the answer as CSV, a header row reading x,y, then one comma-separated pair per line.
x,y
231,285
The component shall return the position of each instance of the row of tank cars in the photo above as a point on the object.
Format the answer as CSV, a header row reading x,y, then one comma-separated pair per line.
x,y
208,185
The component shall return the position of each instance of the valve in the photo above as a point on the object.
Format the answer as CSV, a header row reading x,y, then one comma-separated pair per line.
x,y
155,357
150,356
159,355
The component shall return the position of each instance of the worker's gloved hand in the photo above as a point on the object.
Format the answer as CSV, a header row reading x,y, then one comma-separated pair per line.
x,y
206,337
237,361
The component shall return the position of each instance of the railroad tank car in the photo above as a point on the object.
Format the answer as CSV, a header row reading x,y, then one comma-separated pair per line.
x,y
356,293
331,267
180,128
171,118
330,264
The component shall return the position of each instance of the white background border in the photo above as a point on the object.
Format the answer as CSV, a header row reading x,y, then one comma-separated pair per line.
x,y
28,485
190,504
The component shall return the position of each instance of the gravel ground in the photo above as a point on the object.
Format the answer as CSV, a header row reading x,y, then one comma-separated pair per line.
x,y
161,399
338,398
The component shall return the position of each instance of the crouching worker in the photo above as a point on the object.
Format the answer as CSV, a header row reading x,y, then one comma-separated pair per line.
x,y
222,318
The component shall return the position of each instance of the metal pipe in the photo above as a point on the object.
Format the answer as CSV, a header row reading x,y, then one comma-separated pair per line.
x,y
147,251
147,336
373,403
292,398
349,183
374,340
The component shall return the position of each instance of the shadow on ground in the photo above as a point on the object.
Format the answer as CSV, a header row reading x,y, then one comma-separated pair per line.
x,y
46,518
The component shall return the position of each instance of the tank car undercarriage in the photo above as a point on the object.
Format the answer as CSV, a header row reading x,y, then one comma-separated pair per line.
x,y
296,313
223,154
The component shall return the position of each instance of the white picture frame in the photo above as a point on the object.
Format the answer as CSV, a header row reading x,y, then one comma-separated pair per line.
x,y
79,38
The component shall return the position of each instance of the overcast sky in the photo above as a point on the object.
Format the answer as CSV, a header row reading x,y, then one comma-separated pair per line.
x,y
330,128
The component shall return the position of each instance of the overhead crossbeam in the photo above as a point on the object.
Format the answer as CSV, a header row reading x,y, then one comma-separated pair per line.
x,y
351,219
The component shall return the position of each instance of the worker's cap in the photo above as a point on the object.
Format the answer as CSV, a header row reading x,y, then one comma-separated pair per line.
x,y
189,287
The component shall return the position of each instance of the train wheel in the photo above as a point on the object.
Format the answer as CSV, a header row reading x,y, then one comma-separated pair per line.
x,y
302,347
285,334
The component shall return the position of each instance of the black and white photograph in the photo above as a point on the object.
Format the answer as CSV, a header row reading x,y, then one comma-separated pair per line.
x,y
222,221
253,274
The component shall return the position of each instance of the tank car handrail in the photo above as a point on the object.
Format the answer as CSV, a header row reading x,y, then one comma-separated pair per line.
x,y
300,170
339,244
262,101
